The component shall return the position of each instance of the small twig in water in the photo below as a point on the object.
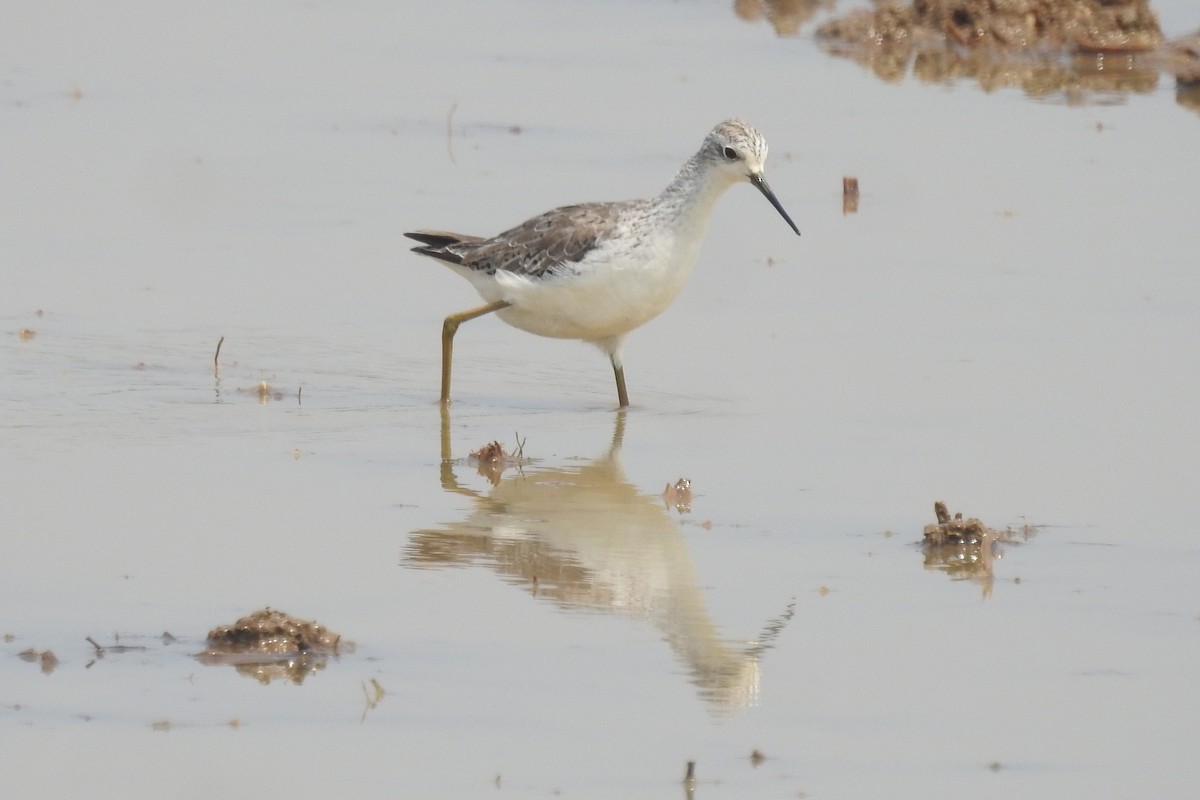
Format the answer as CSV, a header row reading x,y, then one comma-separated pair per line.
x,y
217,355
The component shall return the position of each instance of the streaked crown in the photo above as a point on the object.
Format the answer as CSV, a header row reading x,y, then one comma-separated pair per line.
x,y
735,143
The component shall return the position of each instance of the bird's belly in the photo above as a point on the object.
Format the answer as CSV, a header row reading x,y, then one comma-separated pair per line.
x,y
600,303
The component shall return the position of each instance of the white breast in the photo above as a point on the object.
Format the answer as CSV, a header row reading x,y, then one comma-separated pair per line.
x,y
617,287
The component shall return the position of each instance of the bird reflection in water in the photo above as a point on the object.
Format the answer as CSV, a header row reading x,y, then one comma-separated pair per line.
x,y
585,538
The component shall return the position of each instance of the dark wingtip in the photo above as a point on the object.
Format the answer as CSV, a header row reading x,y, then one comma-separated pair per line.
x,y
431,238
435,243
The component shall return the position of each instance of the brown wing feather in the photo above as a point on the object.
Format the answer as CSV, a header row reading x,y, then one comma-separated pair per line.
x,y
535,247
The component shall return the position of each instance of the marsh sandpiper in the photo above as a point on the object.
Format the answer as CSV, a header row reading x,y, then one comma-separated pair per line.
x,y
596,271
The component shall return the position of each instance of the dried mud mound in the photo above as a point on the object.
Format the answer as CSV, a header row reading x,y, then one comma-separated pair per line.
x,y
272,633
270,644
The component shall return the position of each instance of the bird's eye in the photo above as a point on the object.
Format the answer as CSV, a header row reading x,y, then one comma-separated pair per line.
x,y
730,153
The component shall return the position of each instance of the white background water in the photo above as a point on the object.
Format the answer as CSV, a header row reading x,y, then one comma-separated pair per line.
x,y
1010,323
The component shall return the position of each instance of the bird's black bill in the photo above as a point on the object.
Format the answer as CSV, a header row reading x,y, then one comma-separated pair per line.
x,y
760,183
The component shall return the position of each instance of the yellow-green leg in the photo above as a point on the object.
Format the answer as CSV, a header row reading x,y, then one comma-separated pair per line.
x,y
622,395
449,328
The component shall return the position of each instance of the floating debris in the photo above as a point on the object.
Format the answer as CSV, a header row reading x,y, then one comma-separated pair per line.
x,y
492,459
490,453
45,658
102,651
374,696
849,195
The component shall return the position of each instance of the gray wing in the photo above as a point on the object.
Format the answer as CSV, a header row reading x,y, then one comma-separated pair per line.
x,y
545,244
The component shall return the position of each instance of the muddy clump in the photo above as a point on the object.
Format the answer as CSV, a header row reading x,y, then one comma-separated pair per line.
x,y
678,496
957,531
45,658
1111,26
1183,59
272,632
787,17
271,644
967,549
1045,47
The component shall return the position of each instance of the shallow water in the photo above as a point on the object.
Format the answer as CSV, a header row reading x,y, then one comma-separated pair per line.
x,y
1009,323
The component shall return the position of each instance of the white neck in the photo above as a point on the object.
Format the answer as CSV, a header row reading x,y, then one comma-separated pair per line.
x,y
694,191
